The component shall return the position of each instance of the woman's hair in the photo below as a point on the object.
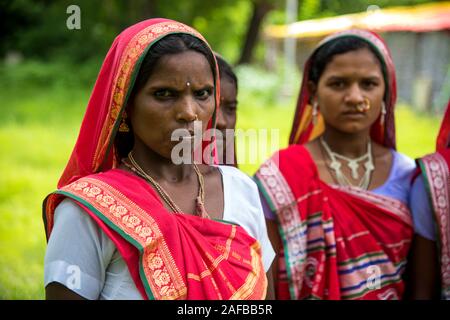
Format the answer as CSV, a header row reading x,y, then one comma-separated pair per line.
x,y
225,70
170,44
324,54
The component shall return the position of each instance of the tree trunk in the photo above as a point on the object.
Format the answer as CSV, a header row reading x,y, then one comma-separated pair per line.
x,y
260,9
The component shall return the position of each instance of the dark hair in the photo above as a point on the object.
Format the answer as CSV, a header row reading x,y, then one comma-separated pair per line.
x,y
324,54
225,70
170,44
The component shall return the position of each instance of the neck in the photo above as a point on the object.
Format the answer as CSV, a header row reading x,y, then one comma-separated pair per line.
x,y
159,167
351,145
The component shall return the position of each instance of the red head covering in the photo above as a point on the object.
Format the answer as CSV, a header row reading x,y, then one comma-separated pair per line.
x,y
94,150
303,129
443,140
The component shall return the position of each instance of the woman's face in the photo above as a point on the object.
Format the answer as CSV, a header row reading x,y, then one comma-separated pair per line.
x,y
179,91
348,80
227,114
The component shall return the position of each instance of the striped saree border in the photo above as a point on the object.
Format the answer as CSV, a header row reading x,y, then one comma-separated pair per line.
x,y
437,181
281,200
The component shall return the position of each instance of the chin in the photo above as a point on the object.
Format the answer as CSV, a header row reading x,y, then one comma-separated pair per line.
x,y
353,128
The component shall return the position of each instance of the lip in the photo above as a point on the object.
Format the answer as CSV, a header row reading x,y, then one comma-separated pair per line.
x,y
354,115
189,136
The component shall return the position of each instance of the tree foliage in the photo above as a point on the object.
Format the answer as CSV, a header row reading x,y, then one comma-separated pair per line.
x,y
37,29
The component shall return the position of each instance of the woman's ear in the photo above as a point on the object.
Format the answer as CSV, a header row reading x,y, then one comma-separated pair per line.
x,y
312,88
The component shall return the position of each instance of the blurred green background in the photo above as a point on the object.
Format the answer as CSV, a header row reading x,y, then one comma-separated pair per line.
x,y
47,75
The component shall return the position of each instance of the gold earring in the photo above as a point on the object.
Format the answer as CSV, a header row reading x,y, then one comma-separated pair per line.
x,y
123,124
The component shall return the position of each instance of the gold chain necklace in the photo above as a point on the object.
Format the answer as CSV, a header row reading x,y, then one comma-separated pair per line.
x,y
200,200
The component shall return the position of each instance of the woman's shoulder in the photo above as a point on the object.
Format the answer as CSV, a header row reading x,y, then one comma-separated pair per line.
x,y
233,173
68,209
293,151
289,162
68,214
402,161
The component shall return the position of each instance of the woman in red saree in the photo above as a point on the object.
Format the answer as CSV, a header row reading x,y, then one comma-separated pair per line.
x,y
336,198
127,222
430,206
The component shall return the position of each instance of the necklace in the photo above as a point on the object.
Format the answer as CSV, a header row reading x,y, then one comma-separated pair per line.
x,y
199,201
352,164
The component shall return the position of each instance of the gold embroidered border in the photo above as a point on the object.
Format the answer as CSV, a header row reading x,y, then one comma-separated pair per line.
x,y
253,285
159,266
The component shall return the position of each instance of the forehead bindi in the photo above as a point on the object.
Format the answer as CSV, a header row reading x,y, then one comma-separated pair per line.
x,y
181,68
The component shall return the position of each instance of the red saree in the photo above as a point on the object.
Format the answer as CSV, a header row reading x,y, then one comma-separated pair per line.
x,y
436,174
169,256
337,242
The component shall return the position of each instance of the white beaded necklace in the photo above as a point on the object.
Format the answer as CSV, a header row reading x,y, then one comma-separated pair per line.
x,y
352,164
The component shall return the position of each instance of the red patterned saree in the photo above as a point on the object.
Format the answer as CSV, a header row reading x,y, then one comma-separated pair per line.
x,y
337,242
169,256
436,174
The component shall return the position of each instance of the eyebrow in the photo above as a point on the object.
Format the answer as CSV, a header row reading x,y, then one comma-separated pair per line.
x,y
371,77
176,88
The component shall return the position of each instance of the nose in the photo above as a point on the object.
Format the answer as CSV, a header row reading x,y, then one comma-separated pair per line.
x,y
187,110
354,95
221,123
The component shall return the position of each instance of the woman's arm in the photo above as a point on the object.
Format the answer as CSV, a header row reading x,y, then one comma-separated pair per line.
x,y
56,291
422,270
270,287
272,230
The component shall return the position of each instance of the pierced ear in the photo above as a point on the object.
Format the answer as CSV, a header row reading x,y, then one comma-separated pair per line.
x,y
312,88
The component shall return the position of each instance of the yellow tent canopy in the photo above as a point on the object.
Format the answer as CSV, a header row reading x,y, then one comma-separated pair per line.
x,y
420,18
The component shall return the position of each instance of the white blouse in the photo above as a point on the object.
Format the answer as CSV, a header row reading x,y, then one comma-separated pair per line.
x,y
81,257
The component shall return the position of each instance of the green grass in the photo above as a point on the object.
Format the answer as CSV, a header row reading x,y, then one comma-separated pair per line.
x,y
36,134
38,128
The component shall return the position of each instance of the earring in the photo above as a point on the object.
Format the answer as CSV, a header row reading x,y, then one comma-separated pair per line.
x,y
383,113
315,111
123,125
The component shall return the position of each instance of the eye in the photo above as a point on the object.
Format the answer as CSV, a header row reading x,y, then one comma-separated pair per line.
x,y
164,93
203,94
337,84
229,108
369,84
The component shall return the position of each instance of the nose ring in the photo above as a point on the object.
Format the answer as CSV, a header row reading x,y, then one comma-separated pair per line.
x,y
363,106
